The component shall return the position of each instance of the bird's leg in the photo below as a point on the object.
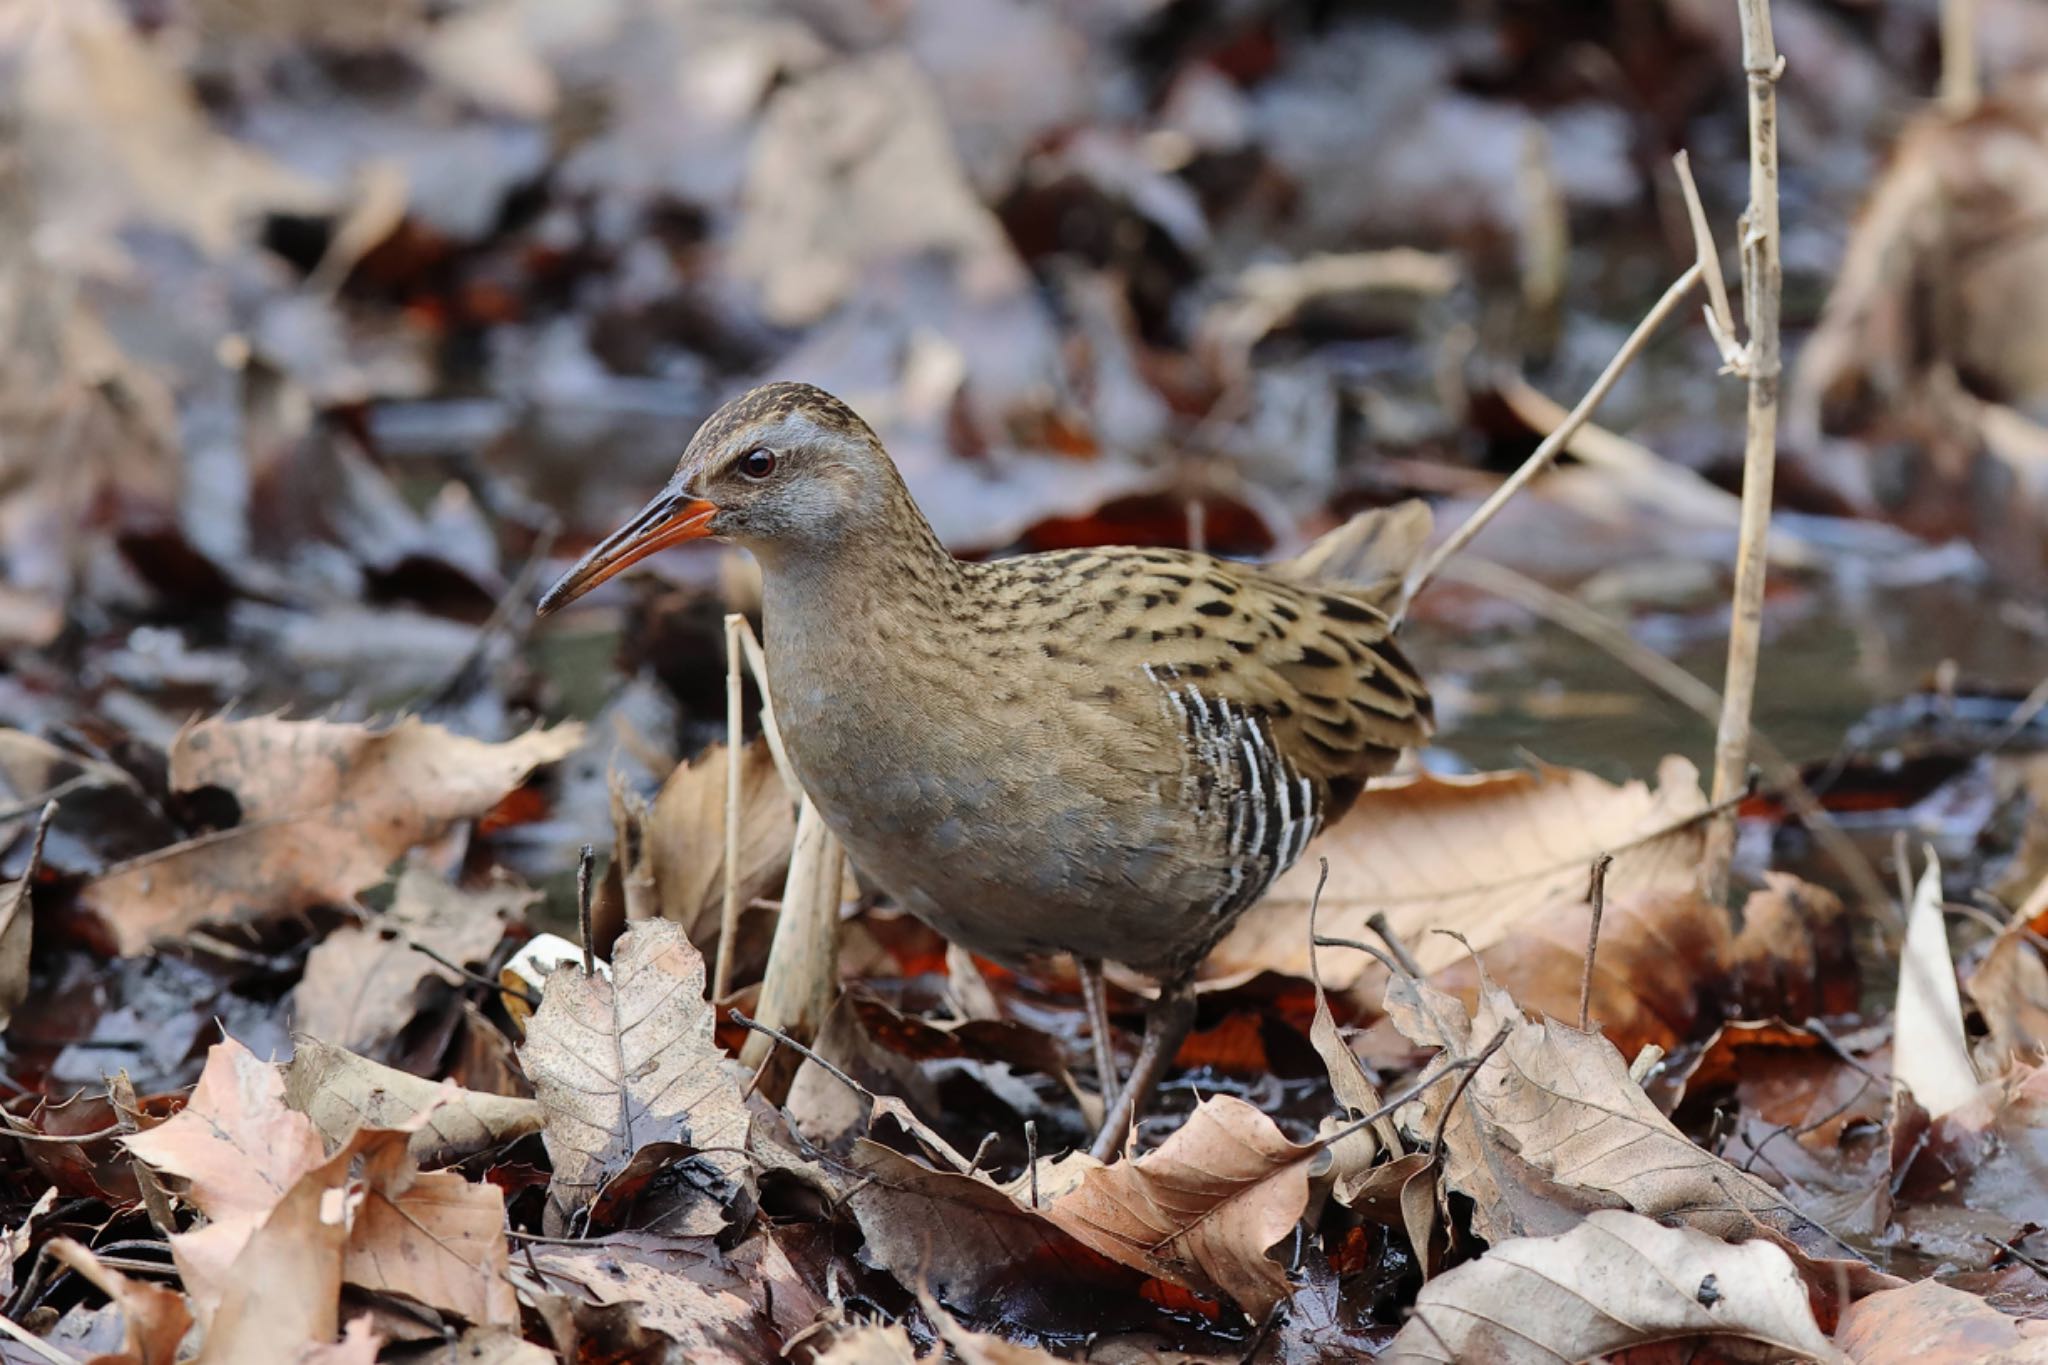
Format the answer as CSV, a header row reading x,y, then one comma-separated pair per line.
x,y
1167,1022
1095,997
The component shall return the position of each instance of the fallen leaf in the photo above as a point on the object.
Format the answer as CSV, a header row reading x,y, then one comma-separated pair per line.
x,y
1553,1124
676,1287
325,808
1203,1209
1616,1280
1478,855
342,1092
682,836
154,1319
360,984
621,1063
17,924
435,1236
1930,1052
966,1240
235,1144
1976,1172
1931,1324
2010,990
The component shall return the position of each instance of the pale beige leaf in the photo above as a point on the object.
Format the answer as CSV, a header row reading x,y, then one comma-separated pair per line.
x,y
711,1307
326,807
683,835
280,1289
1932,1324
1477,855
621,1063
870,1343
1552,1124
342,1092
361,982
1616,1280
435,1236
235,1145
1203,1209
1930,1051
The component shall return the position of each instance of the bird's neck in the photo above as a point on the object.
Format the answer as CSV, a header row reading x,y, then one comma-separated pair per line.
x,y
838,601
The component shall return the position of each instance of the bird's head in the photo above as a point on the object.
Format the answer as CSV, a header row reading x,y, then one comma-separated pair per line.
x,y
782,467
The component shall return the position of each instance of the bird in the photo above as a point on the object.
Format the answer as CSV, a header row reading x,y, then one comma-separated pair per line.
x,y
1108,754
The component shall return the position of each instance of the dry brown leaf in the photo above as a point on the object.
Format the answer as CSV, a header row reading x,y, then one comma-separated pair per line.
x,y
682,836
235,1144
2010,989
961,1236
360,983
341,1093
1553,1124
280,1290
871,1343
434,1236
1203,1209
1616,1280
499,1346
621,1063
326,807
1931,1324
1793,959
674,1287
1478,855
154,1320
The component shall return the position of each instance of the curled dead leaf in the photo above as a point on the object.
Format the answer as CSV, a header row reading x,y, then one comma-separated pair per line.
x,y
342,1092
1931,1324
325,808
1203,1209
1614,1281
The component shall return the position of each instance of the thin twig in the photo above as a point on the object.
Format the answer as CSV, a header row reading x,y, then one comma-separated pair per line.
x,y
584,859
785,1040
1031,1156
474,978
1380,925
1720,316
2029,1262
988,1140
35,1343
1555,442
1762,291
1960,91
1393,968
735,725
1596,892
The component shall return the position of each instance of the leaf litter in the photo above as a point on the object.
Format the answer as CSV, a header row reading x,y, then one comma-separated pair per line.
x,y
328,334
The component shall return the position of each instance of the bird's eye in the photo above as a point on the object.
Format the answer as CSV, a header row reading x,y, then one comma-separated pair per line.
x,y
757,463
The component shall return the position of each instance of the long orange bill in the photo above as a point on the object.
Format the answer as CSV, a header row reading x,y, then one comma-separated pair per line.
x,y
670,519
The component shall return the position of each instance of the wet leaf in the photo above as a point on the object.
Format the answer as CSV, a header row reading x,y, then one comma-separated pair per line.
x,y
1930,1324
682,836
621,1063
682,1289
1615,1281
325,808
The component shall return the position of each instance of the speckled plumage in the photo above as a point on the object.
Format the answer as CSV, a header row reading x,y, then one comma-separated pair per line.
x,y
1109,753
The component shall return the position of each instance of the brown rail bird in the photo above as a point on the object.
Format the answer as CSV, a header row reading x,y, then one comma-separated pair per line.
x,y
1107,753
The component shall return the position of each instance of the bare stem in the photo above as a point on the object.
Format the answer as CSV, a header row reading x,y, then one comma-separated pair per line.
x,y
1762,288
735,726
1960,90
584,859
1596,892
